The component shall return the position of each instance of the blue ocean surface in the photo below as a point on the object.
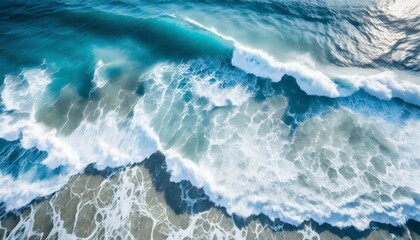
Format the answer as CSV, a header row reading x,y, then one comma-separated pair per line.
x,y
295,109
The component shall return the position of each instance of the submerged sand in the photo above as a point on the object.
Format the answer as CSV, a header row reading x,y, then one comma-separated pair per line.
x,y
139,202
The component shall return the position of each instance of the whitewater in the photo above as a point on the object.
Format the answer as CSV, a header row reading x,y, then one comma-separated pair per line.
x,y
296,110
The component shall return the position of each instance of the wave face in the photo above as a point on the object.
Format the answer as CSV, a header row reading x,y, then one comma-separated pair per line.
x,y
293,109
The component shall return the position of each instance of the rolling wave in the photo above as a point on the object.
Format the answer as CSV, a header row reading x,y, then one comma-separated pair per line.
x,y
292,109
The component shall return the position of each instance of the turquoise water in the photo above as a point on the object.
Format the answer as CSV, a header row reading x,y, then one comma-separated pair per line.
x,y
290,108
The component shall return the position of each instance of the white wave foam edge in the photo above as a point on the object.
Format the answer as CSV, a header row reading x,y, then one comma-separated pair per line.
x,y
101,142
385,85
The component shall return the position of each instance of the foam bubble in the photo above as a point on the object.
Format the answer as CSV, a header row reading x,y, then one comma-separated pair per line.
x,y
246,160
236,95
110,140
311,81
125,205
97,78
239,150
23,92
19,192
385,85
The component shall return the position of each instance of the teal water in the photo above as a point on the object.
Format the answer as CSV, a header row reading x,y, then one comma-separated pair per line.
x,y
291,108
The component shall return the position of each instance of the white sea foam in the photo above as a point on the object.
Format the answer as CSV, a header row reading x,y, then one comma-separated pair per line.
x,y
308,233
19,192
245,160
110,140
385,85
311,81
238,149
20,92
97,78
127,206
236,95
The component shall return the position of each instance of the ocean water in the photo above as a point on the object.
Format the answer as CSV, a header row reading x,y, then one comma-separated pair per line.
x,y
294,109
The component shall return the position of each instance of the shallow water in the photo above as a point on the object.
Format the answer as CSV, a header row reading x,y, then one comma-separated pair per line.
x,y
296,110
140,202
